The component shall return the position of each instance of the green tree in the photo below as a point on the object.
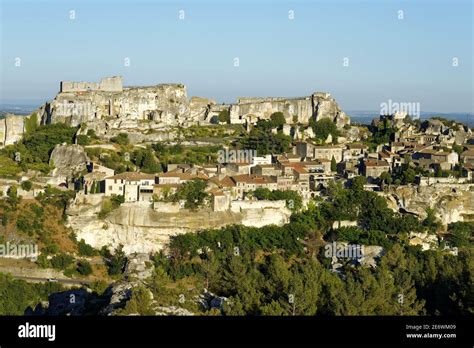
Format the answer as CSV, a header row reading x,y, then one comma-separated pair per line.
x,y
115,262
460,234
277,119
83,140
431,222
139,303
386,178
193,193
31,123
121,139
333,164
85,249
84,267
224,116
26,185
149,163
62,261
397,263
408,176
38,145
323,128
211,271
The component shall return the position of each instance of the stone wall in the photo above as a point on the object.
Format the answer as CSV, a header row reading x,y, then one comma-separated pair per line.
x,y
426,181
318,106
107,84
239,206
166,207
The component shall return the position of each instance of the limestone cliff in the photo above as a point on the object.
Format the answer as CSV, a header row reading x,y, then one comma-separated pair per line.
x,y
142,229
317,106
108,107
451,202
11,129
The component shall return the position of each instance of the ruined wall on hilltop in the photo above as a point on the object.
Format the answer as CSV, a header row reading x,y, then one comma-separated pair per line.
x,y
108,107
317,106
107,84
167,104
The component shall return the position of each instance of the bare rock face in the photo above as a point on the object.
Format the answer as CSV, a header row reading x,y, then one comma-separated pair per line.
x,y
68,159
167,104
109,107
296,110
325,106
200,108
141,229
451,202
252,109
11,129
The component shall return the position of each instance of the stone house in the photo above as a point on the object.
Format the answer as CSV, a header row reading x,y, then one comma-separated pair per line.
x,y
393,159
238,168
354,151
247,182
451,158
256,160
130,185
468,156
372,168
178,177
220,201
266,169
314,151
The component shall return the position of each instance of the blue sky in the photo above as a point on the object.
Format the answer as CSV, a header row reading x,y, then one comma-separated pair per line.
x,y
405,60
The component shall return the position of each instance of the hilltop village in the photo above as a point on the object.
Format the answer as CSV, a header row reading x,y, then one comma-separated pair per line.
x,y
128,170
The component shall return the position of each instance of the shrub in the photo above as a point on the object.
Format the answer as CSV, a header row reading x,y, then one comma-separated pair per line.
x,y
83,140
84,268
62,261
26,185
121,139
85,249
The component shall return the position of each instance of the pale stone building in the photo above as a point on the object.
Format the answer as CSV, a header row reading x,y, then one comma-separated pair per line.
x,y
131,185
247,182
372,168
314,151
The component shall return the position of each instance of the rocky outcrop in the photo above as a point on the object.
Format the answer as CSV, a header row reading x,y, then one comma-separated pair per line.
x,y
108,108
451,202
200,109
296,110
140,229
165,104
12,128
68,160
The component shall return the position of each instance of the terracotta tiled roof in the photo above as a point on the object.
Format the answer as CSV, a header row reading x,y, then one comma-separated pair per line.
x,y
224,182
183,176
376,163
357,146
254,179
216,192
132,176
468,153
299,169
